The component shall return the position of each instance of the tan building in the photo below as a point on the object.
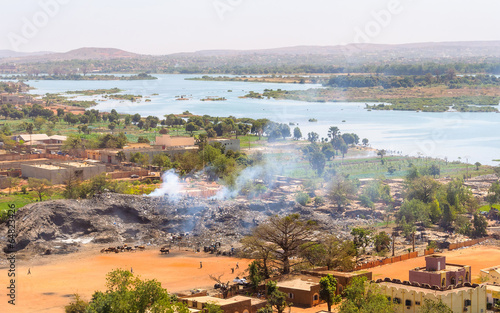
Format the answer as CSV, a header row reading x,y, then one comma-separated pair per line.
x,y
492,294
229,144
237,304
439,273
57,173
167,141
301,292
492,275
343,278
15,99
409,297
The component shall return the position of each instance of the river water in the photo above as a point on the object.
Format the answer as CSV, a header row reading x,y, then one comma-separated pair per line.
x,y
451,135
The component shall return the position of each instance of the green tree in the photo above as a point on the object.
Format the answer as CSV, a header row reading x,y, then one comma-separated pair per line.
x,y
77,306
434,170
142,139
191,127
365,142
431,306
162,160
39,122
297,134
42,187
328,286
126,293
381,153
422,188
318,161
332,252
312,137
480,224
362,238
493,194
276,298
139,158
382,242
477,164
286,234
340,190
302,198
254,274
361,297
12,182
213,308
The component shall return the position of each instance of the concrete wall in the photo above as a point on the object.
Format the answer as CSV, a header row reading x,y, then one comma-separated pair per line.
x,y
455,299
298,297
229,144
442,278
167,141
62,171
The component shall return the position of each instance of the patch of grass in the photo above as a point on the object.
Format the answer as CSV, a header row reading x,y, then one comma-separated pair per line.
x,y
487,207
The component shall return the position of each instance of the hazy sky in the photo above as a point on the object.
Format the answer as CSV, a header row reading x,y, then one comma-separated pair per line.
x,y
168,26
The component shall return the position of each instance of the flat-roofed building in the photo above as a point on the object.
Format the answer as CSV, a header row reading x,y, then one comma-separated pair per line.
x,y
168,141
57,173
228,144
301,292
439,273
409,297
237,304
492,294
492,274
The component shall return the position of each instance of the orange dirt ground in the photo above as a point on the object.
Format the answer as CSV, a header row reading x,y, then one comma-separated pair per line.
x,y
54,279
478,257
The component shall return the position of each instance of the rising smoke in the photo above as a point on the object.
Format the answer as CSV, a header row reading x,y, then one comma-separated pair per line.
x,y
170,187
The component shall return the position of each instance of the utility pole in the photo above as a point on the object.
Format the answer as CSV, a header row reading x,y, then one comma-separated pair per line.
x,y
413,235
394,234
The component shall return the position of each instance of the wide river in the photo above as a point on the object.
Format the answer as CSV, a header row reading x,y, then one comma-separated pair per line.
x,y
471,136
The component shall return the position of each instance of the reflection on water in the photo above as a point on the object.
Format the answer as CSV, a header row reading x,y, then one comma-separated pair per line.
x,y
467,135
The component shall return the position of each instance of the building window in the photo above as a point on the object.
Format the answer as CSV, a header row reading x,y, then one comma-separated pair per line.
x,y
467,276
443,282
452,280
467,302
417,302
408,302
315,297
396,301
290,295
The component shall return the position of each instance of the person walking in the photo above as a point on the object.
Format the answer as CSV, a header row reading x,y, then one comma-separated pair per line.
x,y
237,266
29,271
201,264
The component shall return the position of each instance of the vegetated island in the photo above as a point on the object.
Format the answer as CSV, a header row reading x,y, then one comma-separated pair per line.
x,y
94,92
427,93
142,76
286,79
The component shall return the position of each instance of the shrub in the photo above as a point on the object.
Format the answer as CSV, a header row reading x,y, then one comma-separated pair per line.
x,y
302,198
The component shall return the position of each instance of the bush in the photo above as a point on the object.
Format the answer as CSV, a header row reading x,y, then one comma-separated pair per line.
x,y
366,201
302,198
78,306
319,200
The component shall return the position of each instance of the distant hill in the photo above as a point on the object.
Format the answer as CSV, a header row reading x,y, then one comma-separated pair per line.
x,y
466,47
78,54
15,54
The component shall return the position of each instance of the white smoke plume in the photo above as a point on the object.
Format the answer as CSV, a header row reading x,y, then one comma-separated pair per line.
x,y
170,187
264,172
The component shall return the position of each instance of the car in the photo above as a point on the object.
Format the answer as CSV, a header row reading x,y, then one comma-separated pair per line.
x,y
134,176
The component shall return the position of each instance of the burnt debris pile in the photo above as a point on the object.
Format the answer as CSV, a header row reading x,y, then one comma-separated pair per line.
x,y
62,226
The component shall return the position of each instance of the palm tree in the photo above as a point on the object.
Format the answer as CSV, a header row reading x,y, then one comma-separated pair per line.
x,y
333,132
